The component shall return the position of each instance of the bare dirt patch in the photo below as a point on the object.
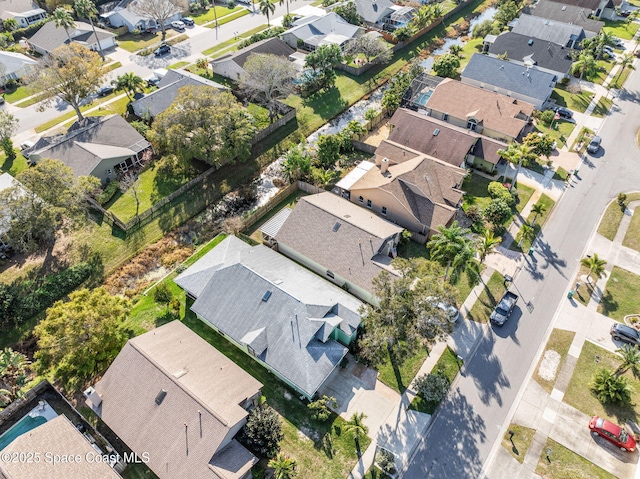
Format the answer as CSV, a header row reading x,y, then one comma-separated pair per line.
x,y
549,365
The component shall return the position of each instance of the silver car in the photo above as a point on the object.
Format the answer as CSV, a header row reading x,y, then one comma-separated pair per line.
x,y
594,145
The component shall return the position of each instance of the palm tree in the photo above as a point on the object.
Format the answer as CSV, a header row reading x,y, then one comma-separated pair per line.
x,y
595,265
585,64
13,375
625,62
63,19
267,8
527,233
454,247
456,50
423,16
86,9
538,209
10,24
203,64
517,154
630,361
357,427
130,83
436,10
487,244
283,466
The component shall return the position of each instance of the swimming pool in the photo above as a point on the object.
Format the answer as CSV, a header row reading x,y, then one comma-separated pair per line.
x,y
25,424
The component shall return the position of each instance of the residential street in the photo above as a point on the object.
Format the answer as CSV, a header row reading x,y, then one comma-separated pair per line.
x,y
461,436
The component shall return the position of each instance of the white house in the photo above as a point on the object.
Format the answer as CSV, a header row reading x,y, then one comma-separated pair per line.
x,y
14,65
123,16
25,12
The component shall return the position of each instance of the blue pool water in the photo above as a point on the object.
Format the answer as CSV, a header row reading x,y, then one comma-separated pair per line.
x,y
423,98
25,424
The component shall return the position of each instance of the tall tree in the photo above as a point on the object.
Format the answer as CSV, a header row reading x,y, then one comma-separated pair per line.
x,y
269,79
323,62
586,65
454,248
267,8
63,19
283,466
14,369
357,427
79,338
527,233
8,127
130,83
456,50
158,10
263,431
487,244
70,73
204,123
517,154
537,209
87,9
595,265
446,65
630,356
626,61
374,49
406,317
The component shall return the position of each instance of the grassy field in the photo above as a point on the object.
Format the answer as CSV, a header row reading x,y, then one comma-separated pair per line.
x,y
620,28
522,438
399,379
118,106
578,102
14,167
632,238
475,188
448,365
18,94
604,67
620,296
524,195
560,131
613,216
493,291
229,18
177,65
132,42
211,14
579,394
566,464
602,107
559,341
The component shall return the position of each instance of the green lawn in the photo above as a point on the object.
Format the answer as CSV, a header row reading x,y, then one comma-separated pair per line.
x,y
229,18
620,296
132,42
560,342
632,238
448,365
177,65
620,28
578,102
399,379
159,180
548,204
211,14
491,294
475,188
14,167
602,108
519,444
579,394
524,195
613,216
566,464
560,131
474,45
620,78
261,115
560,174
604,67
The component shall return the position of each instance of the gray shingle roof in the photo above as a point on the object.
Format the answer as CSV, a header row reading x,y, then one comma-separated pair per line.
x,y
158,101
49,37
509,76
350,250
271,46
230,283
90,141
549,30
372,11
10,7
313,30
204,392
521,48
564,13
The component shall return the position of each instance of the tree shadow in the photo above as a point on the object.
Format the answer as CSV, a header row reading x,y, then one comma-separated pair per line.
x,y
609,305
489,379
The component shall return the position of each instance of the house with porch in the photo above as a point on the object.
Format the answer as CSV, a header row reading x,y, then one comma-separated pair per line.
x,y
101,146
178,403
25,12
338,240
292,322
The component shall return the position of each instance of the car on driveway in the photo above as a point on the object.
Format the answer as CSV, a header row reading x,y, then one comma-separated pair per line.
x,y
594,144
615,434
162,50
564,112
187,21
626,334
177,25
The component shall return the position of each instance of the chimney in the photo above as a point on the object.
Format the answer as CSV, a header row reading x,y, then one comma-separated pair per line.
x,y
384,165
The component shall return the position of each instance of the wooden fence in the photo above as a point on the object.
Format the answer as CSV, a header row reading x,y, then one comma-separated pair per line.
x,y
309,188
282,121
257,214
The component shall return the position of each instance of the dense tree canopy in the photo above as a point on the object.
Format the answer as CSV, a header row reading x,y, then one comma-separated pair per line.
x,y
322,62
158,10
269,78
206,124
13,375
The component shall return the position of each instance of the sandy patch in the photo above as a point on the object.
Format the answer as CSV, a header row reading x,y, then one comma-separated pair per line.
x,y
549,366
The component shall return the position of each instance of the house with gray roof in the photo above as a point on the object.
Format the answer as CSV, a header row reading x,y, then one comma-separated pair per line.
x,y
178,403
232,64
564,34
122,16
154,103
49,37
510,79
561,12
598,8
291,321
25,12
530,52
14,66
340,241
309,33
100,146
384,13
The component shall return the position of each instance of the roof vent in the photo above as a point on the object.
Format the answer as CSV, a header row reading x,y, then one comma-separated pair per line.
x,y
530,42
548,22
160,397
564,7
266,296
436,131
277,281
336,227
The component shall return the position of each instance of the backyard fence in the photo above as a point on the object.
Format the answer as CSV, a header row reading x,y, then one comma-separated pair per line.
x,y
282,121
253,217
309,188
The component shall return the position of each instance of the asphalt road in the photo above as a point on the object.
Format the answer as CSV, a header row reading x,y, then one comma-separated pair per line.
x,y
461,436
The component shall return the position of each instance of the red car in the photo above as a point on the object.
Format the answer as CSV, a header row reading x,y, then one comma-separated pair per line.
x,y
616,434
